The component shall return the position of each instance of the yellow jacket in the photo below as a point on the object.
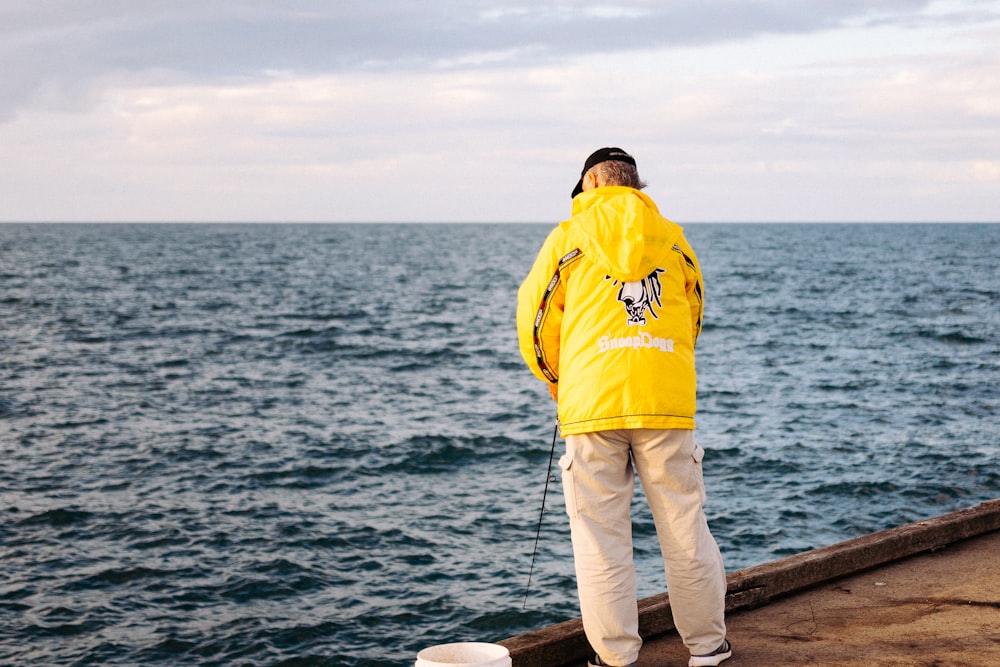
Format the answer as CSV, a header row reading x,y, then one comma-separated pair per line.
x,y
611,311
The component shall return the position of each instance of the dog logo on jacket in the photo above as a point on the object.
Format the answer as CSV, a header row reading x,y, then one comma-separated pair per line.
x,y
639,296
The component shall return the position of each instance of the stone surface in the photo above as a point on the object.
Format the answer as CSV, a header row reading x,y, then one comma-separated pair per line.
x,y
927,593
940,608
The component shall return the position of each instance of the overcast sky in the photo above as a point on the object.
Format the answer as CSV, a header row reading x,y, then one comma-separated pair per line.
x,y
438,110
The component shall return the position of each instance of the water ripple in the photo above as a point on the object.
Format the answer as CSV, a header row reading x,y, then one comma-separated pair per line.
x,y
222,447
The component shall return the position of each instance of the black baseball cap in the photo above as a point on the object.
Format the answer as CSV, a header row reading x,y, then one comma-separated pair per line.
x,y
599,156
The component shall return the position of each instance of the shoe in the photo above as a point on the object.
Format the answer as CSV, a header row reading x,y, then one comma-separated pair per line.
x,y
724,652
597,662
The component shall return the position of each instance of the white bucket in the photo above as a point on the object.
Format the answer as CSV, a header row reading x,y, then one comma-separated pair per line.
x,y
464,654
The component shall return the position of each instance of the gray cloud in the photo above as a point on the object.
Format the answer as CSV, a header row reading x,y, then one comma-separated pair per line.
x,y
141,110
54,52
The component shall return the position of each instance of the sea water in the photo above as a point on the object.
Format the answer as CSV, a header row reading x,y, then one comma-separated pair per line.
x,y
318,444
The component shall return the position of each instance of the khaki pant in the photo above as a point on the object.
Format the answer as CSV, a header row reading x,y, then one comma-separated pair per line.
x,y
598,484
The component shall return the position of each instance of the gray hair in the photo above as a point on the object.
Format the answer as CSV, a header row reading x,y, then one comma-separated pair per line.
x,y
613,172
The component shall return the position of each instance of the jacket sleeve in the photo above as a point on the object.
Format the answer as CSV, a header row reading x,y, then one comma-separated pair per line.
x,y
541,300
693,287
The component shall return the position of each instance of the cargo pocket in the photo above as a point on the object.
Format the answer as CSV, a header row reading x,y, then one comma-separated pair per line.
x,y
699,455
569,490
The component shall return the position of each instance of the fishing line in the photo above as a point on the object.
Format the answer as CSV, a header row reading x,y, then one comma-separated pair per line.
x,y
541,513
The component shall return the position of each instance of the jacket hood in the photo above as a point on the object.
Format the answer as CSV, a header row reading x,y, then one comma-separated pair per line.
x,y
621,229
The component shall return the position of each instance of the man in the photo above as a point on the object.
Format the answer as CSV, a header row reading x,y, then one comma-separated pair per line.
x,y
608,316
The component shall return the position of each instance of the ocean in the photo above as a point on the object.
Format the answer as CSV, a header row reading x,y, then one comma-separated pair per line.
x,y
318,445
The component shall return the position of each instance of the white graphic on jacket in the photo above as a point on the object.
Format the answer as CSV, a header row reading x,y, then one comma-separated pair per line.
x,y
639,296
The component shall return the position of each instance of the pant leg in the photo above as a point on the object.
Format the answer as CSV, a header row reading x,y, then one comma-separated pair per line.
x,y
598,484
669,467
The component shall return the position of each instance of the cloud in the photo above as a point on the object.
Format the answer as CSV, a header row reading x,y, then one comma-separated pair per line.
x,y
468,111
55,51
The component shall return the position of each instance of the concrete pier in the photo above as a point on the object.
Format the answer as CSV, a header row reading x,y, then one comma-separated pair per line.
x,y
927,593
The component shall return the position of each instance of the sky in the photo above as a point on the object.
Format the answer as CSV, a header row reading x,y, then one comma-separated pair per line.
x,y
463,111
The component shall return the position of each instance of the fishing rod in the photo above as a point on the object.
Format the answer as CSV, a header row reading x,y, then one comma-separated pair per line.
x,y
541,513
